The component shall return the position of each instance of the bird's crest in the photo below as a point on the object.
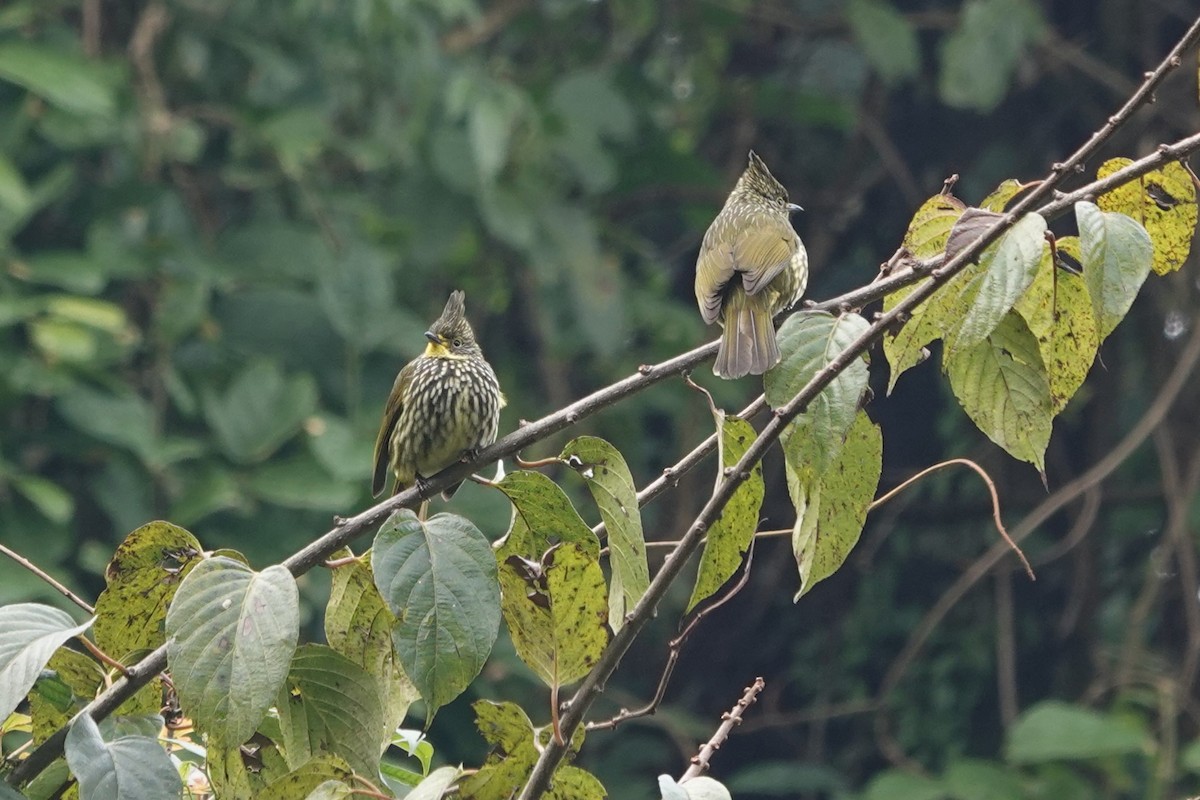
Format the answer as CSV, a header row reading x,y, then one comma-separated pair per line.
x,y
758,179
451,336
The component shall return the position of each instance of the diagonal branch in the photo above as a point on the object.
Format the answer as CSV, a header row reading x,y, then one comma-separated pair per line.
x,y
940,272
550,757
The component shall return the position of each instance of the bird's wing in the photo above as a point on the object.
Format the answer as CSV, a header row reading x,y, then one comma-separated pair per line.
x,y
714,269
391,415
762,253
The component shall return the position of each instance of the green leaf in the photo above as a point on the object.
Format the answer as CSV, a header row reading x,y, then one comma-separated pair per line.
x,y
832,502
974,779
69,681
555,609
439,578
980,57
1164,202
886,37
124,420
730,535
259,411
543,512
1117,257
926,237
301,482
896,785
330,705
64,269
490,122
301,782
1058,311
127,768
1007,267
358,625
55,502
15,196
808,341
612,487
1001,383
572,783
1053,730
71,83
356,292
141,580
1189,757
435,784
231,635
515,747
331,790
29,635
1003,194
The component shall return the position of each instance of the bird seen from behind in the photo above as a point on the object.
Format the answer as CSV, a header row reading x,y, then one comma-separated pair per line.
x,y
444,406
752,265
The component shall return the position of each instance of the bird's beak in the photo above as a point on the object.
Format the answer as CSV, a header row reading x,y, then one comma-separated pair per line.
x,y
793,208
436,347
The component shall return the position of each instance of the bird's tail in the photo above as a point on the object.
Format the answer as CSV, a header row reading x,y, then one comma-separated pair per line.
x,y
748,345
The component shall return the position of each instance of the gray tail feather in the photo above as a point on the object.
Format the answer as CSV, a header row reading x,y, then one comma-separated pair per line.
x,y
748,345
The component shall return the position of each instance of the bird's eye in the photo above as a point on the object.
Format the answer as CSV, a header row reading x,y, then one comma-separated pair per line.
x,y
457,343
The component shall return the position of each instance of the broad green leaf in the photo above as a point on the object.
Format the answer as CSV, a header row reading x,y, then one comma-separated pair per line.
x,y
231,635
126,768
9,793
71,83
356,291
1001,383
307,778
124,420
975,779
69,681
436,784
515,746
332,790
1053,730
1058,311
980,57
141,579
926,237
1164,202
358,625
1189,757
439,578
1007,267
54,502
556,609
490,122
730,535
543,513
259,410
301,482
895,784
886,37
415,744
1117,255
60,340
808,342
72,270
612,487
573,783
832,503
1003,194
29,635
330,705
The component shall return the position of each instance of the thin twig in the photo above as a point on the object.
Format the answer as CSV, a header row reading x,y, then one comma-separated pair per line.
x,y
729,719
36,570
991,487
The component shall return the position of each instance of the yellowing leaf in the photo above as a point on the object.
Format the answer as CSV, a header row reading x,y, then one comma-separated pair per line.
x,y
1001,383
930,226
1058,310
729,537
556,611
1164,201
1003,194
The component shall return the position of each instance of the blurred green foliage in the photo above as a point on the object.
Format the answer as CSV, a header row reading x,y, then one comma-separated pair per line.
x,y
224,226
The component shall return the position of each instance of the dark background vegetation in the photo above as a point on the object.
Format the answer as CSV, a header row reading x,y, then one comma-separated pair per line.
x,y
224,225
